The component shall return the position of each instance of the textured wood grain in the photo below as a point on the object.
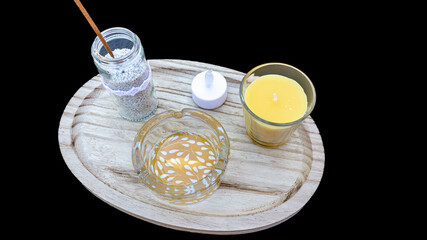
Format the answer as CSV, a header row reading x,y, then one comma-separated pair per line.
x,y
261,188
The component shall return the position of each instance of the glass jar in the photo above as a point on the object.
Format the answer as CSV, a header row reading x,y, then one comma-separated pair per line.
x,y
127,76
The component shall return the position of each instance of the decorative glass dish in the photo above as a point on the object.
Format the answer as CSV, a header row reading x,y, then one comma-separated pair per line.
x,y
181,155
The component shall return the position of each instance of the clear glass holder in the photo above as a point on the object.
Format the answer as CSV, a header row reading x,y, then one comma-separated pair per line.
x,y
270,134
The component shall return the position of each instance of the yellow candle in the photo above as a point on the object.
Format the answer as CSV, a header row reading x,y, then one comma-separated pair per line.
x,y
274,105
276,98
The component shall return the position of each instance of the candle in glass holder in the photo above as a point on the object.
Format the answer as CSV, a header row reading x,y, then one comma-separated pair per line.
x,y
276,98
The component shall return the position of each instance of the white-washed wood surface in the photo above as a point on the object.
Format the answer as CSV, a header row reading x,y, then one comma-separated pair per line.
x,y
261,188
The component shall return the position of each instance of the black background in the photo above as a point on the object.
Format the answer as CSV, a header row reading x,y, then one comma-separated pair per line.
x,y
322,40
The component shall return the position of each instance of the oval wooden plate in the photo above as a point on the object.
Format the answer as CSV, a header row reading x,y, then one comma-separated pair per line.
x,y
261,188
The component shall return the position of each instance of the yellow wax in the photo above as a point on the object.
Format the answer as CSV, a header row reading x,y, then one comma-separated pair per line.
x,y
276,98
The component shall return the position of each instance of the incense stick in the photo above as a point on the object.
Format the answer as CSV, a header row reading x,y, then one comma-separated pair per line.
x,y
94,27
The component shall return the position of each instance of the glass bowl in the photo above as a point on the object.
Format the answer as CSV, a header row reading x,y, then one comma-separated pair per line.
x,y
181,155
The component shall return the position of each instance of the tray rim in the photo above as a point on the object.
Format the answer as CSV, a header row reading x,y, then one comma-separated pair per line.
x,y
139,209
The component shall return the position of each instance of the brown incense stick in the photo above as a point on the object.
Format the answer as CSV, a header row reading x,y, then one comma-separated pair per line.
x,y
94,27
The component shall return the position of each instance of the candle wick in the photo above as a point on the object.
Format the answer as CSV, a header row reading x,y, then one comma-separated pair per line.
x,y
274,97
209,78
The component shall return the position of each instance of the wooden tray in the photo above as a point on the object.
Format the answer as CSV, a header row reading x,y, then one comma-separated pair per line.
x,y
261,188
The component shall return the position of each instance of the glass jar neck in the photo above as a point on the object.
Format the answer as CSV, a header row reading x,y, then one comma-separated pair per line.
x,y
117,38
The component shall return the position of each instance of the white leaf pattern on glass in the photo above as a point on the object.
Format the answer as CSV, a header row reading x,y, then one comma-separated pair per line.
x,y
182,158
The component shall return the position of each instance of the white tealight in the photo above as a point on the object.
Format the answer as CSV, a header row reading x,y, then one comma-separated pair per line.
x,y
209,89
